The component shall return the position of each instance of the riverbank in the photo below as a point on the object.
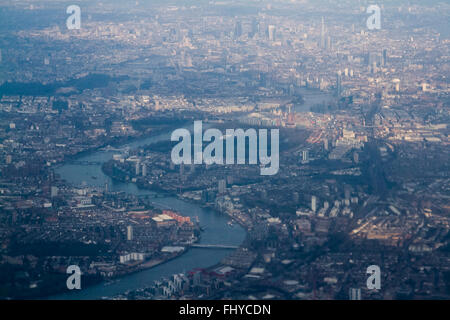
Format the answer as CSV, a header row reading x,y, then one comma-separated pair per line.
x,y
149,264
154,188
116,143
217,231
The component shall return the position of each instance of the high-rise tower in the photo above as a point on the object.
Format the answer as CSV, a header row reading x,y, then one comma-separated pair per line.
x,y
322,34
271,32
130,233
384,58
255,27
338,84
314,203
238,30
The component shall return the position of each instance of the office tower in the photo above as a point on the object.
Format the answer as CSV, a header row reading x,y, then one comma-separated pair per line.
x,y
326,205
384,58
46,61
271,32
255,27
322,34
338,84
144,170
346,72
374,67
305,156
106,188
396,84
53,191
238,30
328,47
354,294
325,144
314,203
222,186
138,165
8,159
130,233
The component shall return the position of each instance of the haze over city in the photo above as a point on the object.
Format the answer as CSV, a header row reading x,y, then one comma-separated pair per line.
x,y
212,150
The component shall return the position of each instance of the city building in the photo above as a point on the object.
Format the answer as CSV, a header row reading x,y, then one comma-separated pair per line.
x,y
129,233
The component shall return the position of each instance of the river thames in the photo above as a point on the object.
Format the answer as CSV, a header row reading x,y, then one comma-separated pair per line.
x,y
216,229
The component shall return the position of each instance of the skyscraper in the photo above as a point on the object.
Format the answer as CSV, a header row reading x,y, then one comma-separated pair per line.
x,y
255,27
325,144
384,58
314,203
322,34
130,233
305,156
222,186
396,84
54,191
271,32
374,67
338,84
138,165
238,30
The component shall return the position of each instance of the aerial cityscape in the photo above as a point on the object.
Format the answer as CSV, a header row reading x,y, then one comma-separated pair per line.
x,y
225,150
